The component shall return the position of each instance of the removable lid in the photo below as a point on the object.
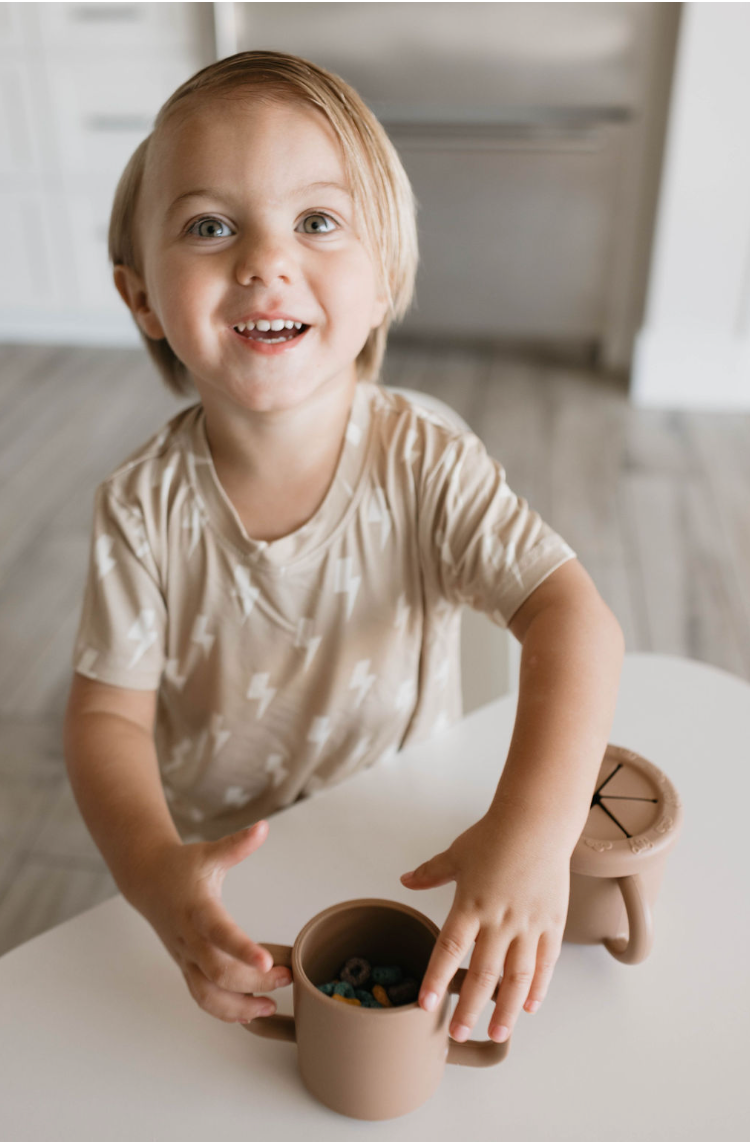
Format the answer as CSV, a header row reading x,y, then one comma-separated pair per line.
x,y
635,815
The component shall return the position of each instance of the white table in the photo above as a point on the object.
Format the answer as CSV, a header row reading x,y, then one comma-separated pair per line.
x,y
100,1040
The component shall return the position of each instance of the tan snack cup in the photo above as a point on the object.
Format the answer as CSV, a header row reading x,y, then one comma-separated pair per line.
x,y
617,866
371,1064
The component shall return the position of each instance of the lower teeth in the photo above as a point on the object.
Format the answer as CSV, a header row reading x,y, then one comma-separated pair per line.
x,y
259,337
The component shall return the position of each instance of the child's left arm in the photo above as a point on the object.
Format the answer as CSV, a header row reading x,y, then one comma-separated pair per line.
x,y
512,867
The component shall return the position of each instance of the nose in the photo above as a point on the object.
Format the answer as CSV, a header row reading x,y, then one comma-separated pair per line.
x,y
264,256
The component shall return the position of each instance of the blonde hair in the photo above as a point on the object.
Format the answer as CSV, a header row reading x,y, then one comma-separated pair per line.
x,y
382,194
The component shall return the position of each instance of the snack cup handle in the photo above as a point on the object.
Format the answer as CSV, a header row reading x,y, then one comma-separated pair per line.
x,y
479,1054
637,945
279,1028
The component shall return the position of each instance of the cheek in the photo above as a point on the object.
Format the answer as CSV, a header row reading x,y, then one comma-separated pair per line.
x,y
356,287
187,301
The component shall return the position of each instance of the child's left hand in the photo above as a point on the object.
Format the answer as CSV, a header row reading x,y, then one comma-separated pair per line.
x,y
512,900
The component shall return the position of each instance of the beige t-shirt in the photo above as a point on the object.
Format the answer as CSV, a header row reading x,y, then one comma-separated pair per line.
x,y
284,667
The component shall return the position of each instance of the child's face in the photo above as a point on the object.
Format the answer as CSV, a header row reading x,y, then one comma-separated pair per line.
x,y
256,240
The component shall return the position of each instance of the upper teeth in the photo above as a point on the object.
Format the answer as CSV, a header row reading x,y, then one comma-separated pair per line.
x,y
262,324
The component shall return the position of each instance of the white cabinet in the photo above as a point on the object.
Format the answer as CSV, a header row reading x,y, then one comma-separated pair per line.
x,y
80,85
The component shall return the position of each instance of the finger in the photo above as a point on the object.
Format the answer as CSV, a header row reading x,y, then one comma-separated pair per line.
x,y
479,984
547,956
451,945
232,975
437,872
215,926
520,964
227,1005
236,847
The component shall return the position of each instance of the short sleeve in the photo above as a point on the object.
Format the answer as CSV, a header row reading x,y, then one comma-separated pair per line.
x,y
121,637
485,547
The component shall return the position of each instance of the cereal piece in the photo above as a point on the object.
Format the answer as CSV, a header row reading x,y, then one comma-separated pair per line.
x,y
346,1000
356,972
367,999
404,991
381,996
328,988
387,974
343,989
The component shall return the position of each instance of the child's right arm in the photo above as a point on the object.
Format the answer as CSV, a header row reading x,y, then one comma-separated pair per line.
x,y
113,769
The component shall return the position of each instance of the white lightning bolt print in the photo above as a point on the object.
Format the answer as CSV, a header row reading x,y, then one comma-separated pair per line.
x,y
87,661
402,613
441,675
276,770
406,695
319,732
361,679
351,764
445,552
219,736
139,532
245,592
172,672
237,796
304,638
259,689
163,483
192,521
200,634
345,582
178,757
273,773
143,632
409,442
378,513
103,560
502,557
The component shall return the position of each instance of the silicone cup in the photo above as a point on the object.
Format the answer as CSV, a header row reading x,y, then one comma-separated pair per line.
x,y
476,1054
637,946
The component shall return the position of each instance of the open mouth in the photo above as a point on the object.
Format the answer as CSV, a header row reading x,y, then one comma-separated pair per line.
x,y
271,337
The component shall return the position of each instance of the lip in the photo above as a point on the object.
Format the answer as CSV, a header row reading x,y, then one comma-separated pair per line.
x,y
268,317
268,349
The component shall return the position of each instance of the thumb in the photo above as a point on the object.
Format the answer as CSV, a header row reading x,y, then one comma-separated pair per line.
x,y
233,849
437,872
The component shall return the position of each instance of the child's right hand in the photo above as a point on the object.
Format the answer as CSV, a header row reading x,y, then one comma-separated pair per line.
x,y
180,896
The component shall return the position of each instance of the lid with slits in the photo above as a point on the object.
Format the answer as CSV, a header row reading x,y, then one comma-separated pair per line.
x,y
635,814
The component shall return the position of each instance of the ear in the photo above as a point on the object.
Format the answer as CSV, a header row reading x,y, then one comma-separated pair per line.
x,y
132,290
379,311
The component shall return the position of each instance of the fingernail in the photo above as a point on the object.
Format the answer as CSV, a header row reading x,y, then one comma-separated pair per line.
x,y
267,1011
460,1032
283,978
499,1033
532,1006
429,1001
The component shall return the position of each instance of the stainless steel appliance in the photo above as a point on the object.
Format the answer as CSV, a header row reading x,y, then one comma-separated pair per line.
x,y
532,134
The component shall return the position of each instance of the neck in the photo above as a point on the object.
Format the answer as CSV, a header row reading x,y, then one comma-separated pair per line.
x,y
279,447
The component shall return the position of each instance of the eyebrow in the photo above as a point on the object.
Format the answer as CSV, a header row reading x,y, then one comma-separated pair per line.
x,y
211,193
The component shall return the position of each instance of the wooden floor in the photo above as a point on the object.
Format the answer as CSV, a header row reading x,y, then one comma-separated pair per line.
x,y
655,504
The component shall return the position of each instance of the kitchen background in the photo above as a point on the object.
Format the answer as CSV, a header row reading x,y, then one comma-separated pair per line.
x,y
583,301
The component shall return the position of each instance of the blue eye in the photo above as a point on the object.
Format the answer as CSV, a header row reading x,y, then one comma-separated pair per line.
x,y
317,229
212,222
